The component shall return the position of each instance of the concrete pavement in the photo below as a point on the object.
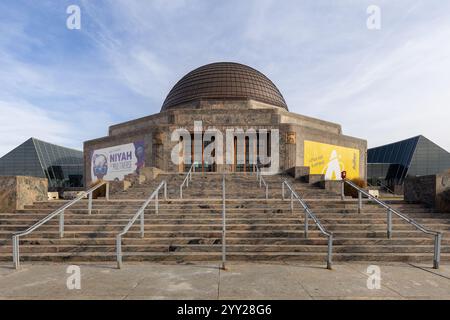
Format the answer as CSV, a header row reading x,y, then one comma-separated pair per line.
x,y
278,280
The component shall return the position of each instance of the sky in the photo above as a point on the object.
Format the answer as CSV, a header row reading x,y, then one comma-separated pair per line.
x,y
68,86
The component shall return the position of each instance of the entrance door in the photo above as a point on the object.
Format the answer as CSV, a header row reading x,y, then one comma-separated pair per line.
x,y
181,164
246,164
204,165
208,164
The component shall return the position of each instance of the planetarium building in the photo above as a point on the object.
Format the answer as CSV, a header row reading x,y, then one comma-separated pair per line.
x,y
235,100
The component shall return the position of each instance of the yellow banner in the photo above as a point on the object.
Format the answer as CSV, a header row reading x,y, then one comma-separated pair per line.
x,y
331,160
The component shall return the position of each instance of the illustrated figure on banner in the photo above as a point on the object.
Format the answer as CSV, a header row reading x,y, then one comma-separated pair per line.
x,y
334,167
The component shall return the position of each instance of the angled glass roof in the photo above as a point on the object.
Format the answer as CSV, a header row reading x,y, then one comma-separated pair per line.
x,y
63,167
416,156
399,152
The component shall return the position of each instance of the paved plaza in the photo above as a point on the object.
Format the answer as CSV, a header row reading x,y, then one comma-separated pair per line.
x,y
280,280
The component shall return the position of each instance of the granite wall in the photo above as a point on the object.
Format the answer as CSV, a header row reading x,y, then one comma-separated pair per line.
x,y
18,191
432,190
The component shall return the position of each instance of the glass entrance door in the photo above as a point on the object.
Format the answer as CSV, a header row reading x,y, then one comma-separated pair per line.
x,y
206,164
246,163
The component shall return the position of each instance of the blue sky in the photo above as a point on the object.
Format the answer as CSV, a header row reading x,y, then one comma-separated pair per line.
x,y
67,86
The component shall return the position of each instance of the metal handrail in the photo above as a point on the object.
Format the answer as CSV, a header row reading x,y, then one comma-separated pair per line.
x,y
390,210
60,212
262,181
224,228
187,179
140,212
308,214
381,184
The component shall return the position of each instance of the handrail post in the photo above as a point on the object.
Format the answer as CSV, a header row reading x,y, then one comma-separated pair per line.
x,y
343,190
359,201
90,203
185,181
140,214
267,192
16,259
282,191
107,191
119,251
260,180
165,190
306,224
309,214
389,223
330,251
224,252
292,201
437,250
142,223
61,224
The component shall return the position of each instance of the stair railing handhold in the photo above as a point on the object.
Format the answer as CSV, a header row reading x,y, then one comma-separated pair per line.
x,y
261,180
308,215
224,224
60,211
437,235
187,179
139,214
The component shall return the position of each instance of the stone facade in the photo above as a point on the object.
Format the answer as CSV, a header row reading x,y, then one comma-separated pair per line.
x,y
300,173
432,190
156,130
18,191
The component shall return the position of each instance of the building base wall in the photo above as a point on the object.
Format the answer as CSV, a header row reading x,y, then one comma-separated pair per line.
x,y
18,191
432,190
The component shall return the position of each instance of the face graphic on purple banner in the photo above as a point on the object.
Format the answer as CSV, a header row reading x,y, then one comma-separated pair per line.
x,y
140,155
100,165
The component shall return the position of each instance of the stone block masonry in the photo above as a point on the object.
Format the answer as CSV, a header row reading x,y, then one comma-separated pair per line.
x,y
18,191
432,190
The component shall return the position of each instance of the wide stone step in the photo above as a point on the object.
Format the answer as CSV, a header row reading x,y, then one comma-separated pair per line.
x,y
216,217
230,227
229,202
231,233
230,248
137,205
241,240
161,227
211,219
246,202
249,214
205,214
216,256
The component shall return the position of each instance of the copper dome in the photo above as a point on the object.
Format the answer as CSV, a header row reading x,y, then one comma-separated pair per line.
x,y
224,80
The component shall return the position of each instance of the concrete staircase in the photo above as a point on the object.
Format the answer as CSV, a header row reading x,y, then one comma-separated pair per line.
x,y
190,229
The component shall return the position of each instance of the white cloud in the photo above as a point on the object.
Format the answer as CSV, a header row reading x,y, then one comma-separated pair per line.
x,y
399,92
20,120
143,72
